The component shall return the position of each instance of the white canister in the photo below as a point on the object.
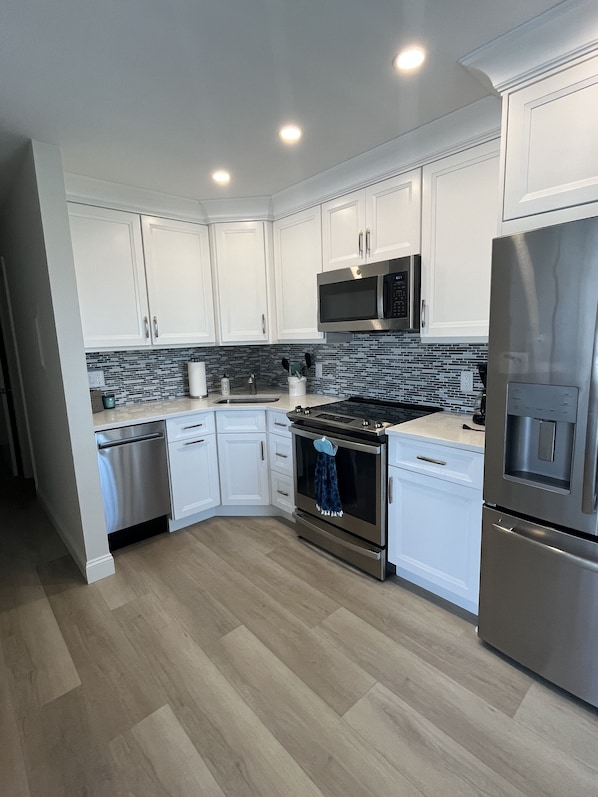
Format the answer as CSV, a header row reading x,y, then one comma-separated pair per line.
x,y
297,385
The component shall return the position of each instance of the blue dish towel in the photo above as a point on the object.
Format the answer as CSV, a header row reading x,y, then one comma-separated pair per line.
x,y
328,500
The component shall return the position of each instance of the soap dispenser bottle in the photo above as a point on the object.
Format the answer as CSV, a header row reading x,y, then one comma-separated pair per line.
x,y
225,385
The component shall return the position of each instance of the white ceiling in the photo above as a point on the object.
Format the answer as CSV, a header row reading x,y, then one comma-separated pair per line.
x,y
157,93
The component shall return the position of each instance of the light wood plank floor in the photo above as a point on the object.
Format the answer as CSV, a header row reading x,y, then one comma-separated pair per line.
x,y
232,659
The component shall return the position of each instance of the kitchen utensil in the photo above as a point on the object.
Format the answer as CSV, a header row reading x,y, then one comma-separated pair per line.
x,y
285,364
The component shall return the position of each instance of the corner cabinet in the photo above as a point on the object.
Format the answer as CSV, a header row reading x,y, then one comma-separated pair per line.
x,y
379,222
141,281
297,262
242,283
460,216
243,457
435,517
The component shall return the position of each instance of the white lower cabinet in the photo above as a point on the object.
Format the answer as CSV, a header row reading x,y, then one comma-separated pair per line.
x,y
193,460
435,518
280,451
243,458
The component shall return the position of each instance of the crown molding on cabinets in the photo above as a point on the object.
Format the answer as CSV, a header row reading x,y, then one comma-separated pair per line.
x,y
254,208
91,191
567,32
475,124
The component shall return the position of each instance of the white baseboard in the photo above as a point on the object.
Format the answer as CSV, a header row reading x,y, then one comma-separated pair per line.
x,y
99,568
226,511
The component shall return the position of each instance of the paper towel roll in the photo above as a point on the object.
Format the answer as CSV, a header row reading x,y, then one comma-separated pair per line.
x,y
198,387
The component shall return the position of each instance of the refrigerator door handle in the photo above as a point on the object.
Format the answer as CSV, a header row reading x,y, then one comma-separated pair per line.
x,y
570,557
588,497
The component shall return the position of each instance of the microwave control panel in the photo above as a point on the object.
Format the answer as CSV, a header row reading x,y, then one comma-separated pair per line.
x,y
396,295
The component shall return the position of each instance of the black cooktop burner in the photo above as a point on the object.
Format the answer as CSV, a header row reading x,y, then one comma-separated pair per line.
x,y
369,416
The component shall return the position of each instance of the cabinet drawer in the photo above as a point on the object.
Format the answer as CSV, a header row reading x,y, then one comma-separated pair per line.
x,y
282,491
185,426
280,450
443,462
278,423
241,420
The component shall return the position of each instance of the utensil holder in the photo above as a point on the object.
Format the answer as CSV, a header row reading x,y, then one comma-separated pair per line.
x,y
297,385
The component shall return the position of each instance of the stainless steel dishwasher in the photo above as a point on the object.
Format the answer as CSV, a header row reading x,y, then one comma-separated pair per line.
x,y
134,474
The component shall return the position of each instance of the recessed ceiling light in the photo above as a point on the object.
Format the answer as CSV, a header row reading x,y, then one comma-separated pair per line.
x,y
221,177
290,134
410,58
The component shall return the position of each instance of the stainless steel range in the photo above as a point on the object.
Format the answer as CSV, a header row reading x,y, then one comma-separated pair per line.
x,y
356,431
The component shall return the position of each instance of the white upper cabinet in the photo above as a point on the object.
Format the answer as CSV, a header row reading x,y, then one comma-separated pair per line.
x,y
108,254
297,262
551,157
459,221
128,302
376,223
241,269
179,281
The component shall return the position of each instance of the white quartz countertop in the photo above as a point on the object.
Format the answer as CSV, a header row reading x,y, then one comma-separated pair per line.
x,y
146,411
445,428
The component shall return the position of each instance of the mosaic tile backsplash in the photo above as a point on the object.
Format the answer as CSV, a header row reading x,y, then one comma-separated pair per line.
x,y
386,365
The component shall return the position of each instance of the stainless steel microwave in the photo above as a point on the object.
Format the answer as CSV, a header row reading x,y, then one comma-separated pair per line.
x,y
372,297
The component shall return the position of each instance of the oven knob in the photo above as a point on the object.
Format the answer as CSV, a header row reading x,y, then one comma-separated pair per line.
x,y
306,411
365,422
298,408
378,425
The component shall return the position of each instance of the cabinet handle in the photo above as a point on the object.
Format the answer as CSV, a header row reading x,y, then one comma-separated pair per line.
x,y
433,461
282,492
193,426
262,447
367,241
194,442
146,325
390,489
423,314
263,324
156,335
360,243
278,423
282,456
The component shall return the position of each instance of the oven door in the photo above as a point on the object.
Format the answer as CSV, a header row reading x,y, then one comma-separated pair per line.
x,y
361,471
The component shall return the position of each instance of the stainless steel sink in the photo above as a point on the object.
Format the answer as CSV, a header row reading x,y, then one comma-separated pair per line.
x,y
247,400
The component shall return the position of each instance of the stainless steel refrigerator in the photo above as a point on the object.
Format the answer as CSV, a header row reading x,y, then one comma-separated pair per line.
x,y
539,568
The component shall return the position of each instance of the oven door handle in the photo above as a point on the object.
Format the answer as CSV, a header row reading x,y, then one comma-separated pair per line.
x,y
352,445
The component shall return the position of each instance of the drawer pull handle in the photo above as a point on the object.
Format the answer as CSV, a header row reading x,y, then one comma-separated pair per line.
x,y
278,423
193,426
433,461
282,492
194,442
282,456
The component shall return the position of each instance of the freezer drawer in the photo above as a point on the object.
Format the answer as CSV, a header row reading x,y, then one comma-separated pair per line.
x,y
539,600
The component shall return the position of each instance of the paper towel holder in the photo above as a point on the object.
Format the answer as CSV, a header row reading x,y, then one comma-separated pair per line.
x,y
198,388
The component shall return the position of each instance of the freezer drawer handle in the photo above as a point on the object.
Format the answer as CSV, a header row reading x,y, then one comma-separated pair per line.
x,y
570,557
127,441
588,496
433,461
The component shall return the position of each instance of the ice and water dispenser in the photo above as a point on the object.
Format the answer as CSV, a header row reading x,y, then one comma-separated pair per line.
x,y
539,436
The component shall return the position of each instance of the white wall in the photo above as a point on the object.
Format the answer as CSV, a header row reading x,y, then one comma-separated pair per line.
x,y
36,245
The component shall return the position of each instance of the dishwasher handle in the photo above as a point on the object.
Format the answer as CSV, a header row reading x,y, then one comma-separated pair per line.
x,y
128,440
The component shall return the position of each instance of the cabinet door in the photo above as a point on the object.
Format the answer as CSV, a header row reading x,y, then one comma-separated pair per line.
x,y
551,158
241,270
179,282
194,482
297,262
343,231
393,217
108,254
434,534
459,221
244,469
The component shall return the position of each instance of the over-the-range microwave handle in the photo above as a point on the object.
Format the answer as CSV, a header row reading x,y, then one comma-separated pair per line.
x,y
588,496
